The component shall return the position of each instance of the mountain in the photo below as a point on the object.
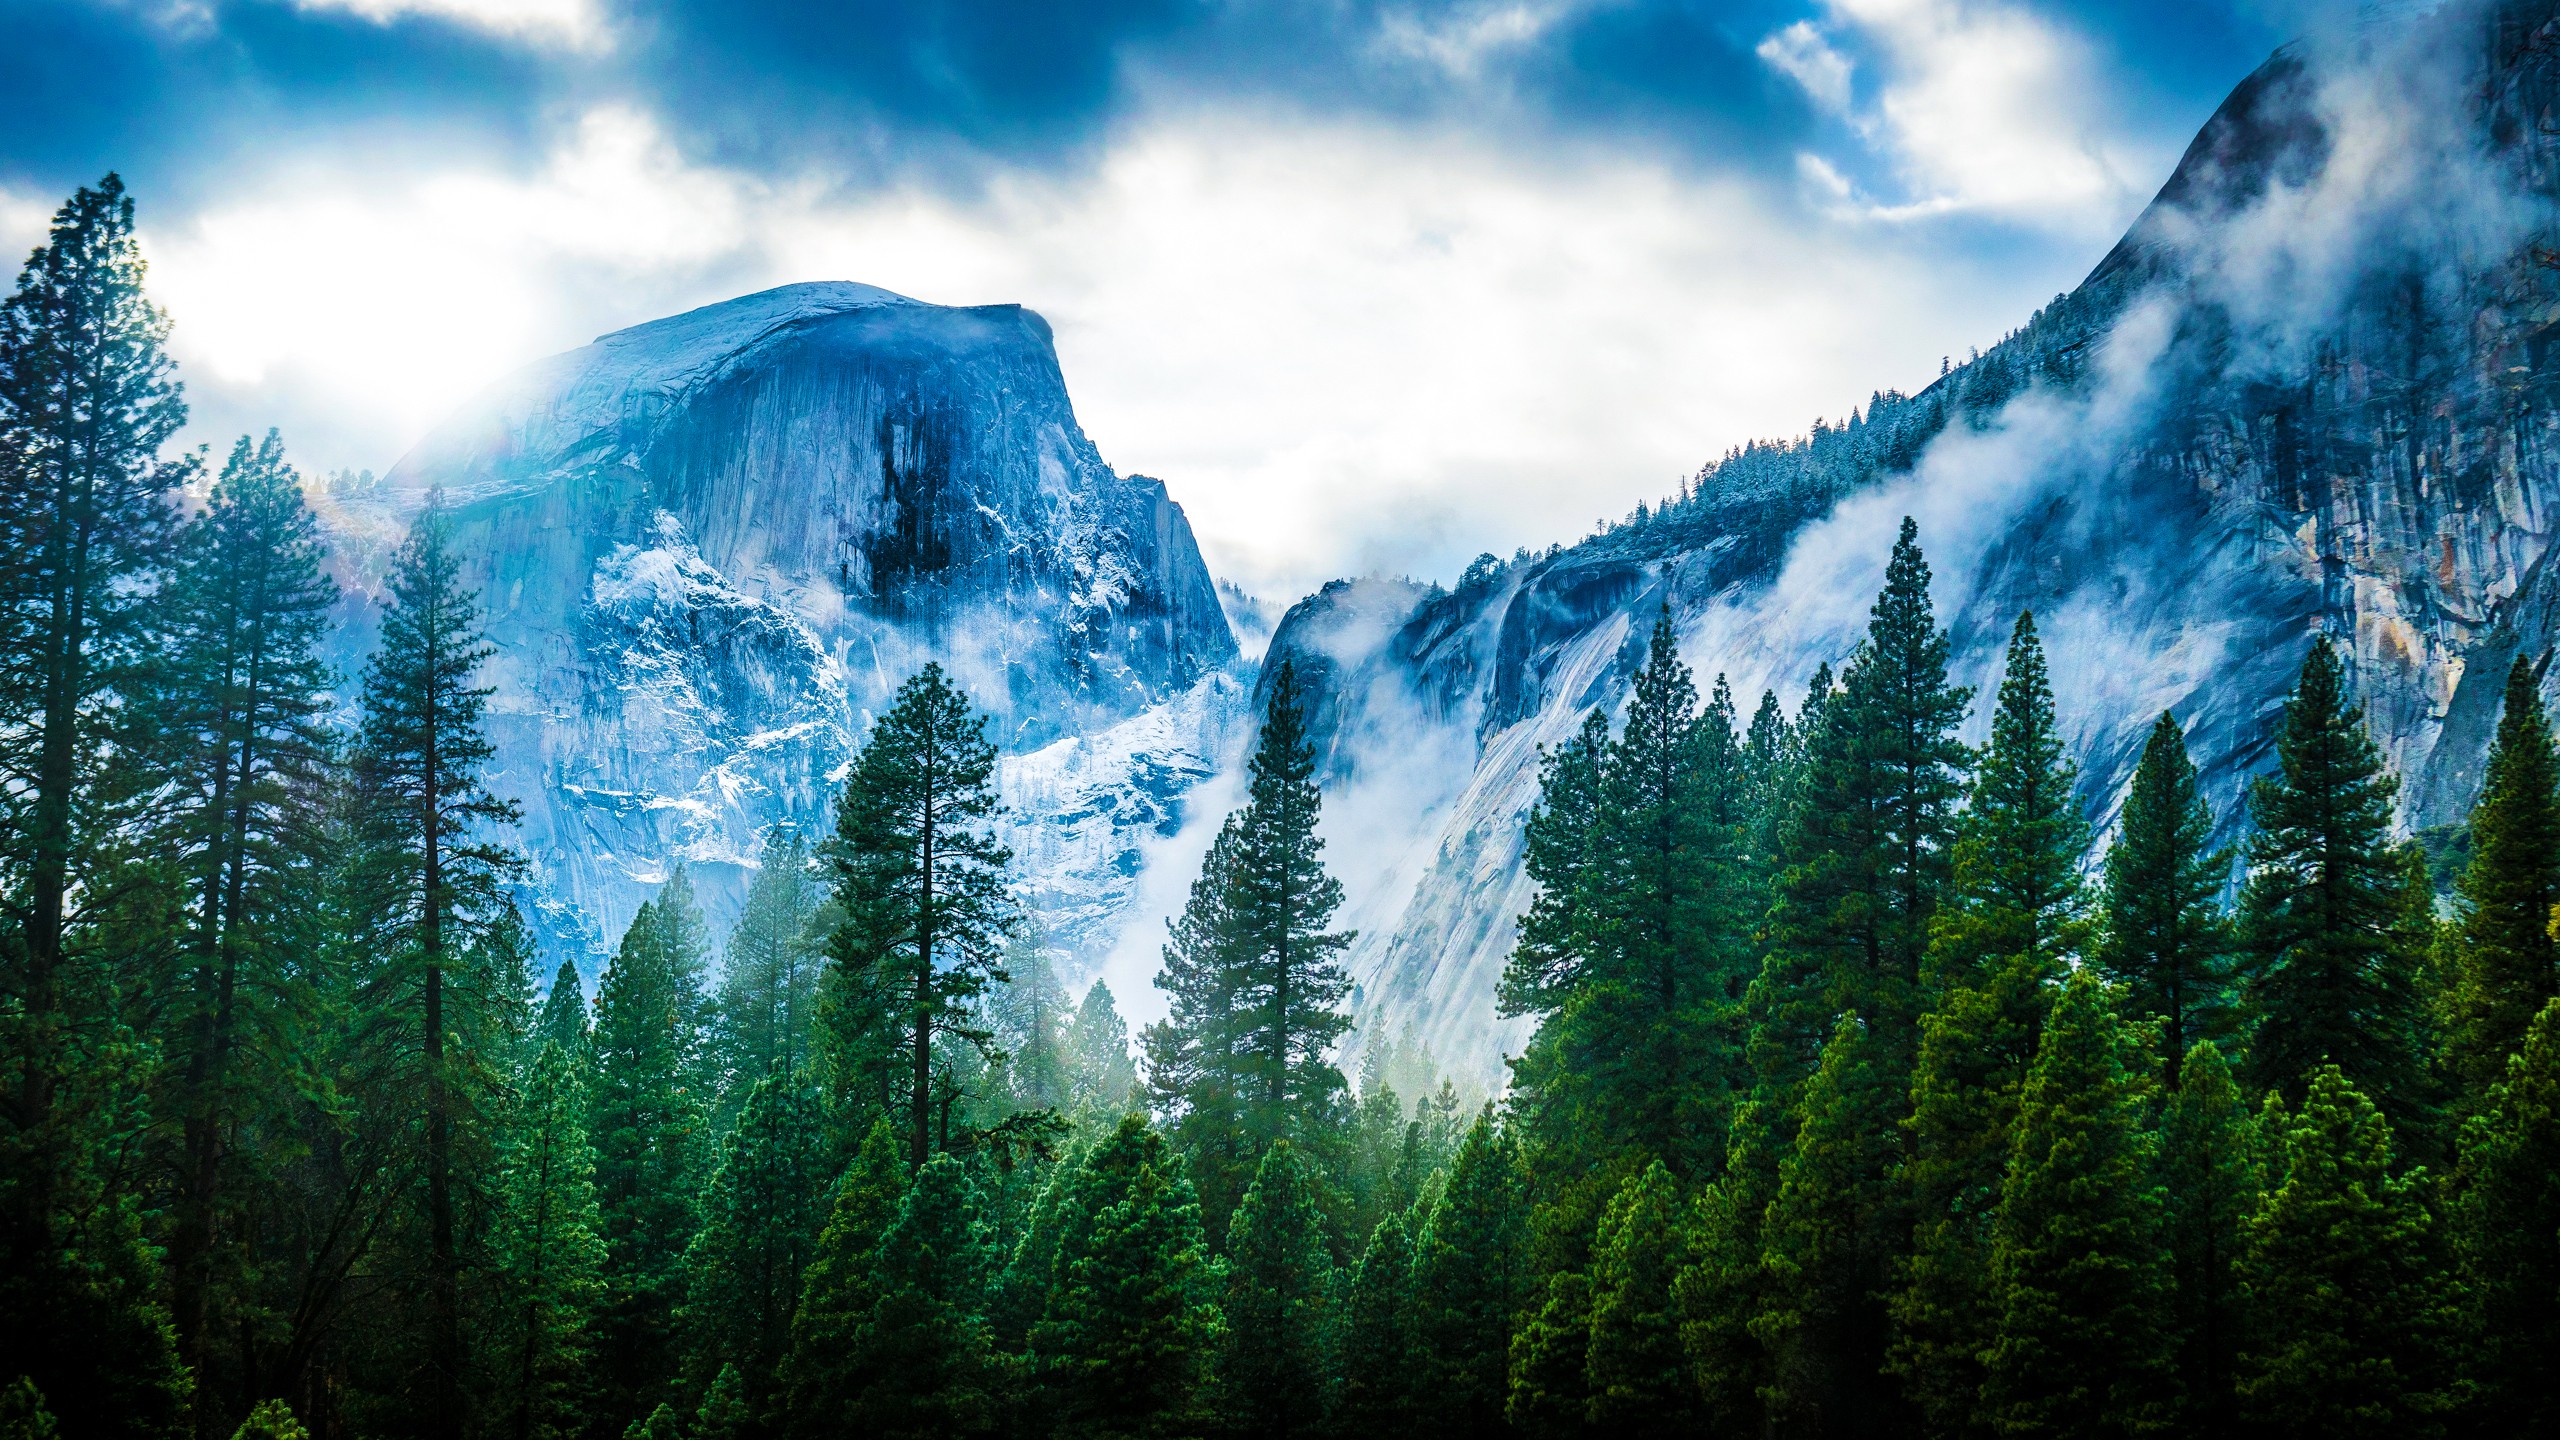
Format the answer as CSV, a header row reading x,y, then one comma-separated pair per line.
x,y
2314,390
710,546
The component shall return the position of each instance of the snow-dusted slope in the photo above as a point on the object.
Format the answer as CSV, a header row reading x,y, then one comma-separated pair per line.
x,y
710,546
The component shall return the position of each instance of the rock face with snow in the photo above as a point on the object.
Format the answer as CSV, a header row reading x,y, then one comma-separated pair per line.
x,y
2316,390
709,547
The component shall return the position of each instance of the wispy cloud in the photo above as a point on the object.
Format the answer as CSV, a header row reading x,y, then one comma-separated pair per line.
x,y
578,24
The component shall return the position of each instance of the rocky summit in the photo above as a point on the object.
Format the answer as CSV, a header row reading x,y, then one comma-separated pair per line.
x,y
709,546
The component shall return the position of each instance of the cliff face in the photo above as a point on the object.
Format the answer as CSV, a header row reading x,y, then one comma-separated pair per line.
x,y
2313,391
709,547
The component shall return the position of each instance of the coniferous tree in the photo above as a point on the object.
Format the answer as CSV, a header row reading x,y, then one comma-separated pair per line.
x,y
1469,1279
2015,920
2326,984
1102,1076
725,1413
1275,1371
2508,964
2508,1228
767,998
1254,976
2079,1278
2349,1314
2164,939
270,1420
649,1121
86,403
818,1383
427,880
1550,1395
1031,1014
1378,1394
550,1252
1639,1378
1130,1330
762,1210
920,883
922,1359
563,1020
2210,1182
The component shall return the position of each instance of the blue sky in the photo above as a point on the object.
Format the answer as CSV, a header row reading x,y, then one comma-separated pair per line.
x,y
1372,285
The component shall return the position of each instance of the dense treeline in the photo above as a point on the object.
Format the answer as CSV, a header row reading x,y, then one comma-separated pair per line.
x,y
1868,1095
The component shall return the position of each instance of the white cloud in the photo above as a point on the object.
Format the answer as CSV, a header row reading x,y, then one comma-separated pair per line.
x,y
575,23
1978,107
1344,346
1461,40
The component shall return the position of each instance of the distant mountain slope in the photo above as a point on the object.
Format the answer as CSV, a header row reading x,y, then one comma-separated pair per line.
x,y
2312,391
710,546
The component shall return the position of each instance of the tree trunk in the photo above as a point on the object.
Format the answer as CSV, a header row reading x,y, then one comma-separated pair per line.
x,y
444,1337
920,1144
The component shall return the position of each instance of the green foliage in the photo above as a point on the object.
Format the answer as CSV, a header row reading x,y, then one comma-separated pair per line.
x,y
1470,1279
2327,985
2166,941
762,1210
1280,1306
2079,1279
1253,975
549,1249
2508,964
767,1000
922,1362
563,1021
1550,1397
725,1413
2209,1174
818,1383
1102,1079
23,1415
270,1420
1639,1378
2508,1230
2349,1314
1379,1394
920,887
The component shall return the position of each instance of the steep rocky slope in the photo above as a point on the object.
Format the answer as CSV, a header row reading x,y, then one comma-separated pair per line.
x,y
2312,391
711,545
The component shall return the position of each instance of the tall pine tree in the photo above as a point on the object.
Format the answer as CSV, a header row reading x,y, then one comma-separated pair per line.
x,y
762,1210
1280,1315
1379,1394
1640,1383
769,974
923,1360
2209,1173
550,1250
2508,1229
1470,1277
819,1384
2508,965
2165,941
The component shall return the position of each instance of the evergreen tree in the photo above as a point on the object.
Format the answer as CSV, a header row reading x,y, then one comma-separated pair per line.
x,y
550,1253
1470,1278
1276,1370
2509,1232
2209,1170
923,1362
1550,1396
649,1123
427,879
2326,983
563,1021
768,979
271,1420
2349,1316
818,1384
2508,962
86,403
1102,1079
1639,1378
1254,976
1378,1394
2079,1280
2166,943
725,1413
2014,922
23,1415
1031,1014
920,882
1125,1347
762,1211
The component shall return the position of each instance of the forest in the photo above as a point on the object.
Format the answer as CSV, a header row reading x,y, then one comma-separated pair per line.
x,y
1870,1093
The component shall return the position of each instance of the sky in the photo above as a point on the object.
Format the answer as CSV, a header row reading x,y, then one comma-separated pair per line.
x,y
1371,285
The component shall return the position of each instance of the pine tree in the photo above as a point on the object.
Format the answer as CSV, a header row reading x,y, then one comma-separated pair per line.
x,y
817,1382
1130,1331
1254,977
2349,1316
550,1250
23,1415
2079,1279
1378,1394
920,882
427,879
2210,1178
1560,855
923,1361
1031,1013
1639,1378
1469,1280
271,1420
563,1020
1280,1319
1102,1078
762,1211
649,1125
725,1413
2166,943
2015,921
2508,963
768,980
86,403
2326,983
2508,1227
1550,1396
